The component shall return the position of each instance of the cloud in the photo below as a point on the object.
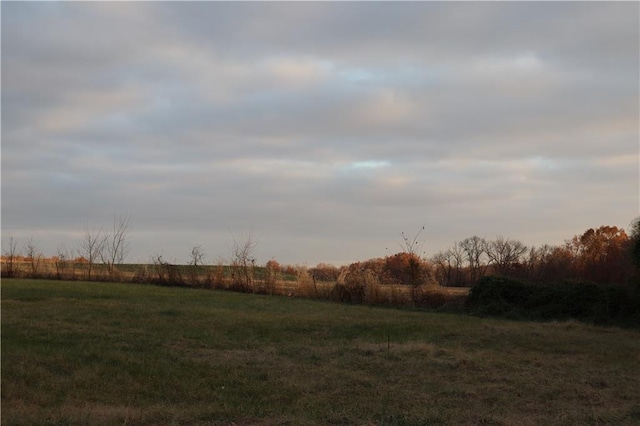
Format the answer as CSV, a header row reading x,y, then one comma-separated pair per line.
x,y
325,127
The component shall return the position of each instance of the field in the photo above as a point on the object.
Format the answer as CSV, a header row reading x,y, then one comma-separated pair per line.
x,y
104,353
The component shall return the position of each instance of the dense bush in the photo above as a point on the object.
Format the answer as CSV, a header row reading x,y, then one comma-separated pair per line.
x,y
586,301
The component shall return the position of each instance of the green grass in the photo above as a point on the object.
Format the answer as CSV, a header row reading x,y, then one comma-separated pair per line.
x,y
102,353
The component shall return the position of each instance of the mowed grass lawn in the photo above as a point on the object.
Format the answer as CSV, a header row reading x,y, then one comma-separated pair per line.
x,y
102,353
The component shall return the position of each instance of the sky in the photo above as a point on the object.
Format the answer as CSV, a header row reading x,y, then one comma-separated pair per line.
x,y
321,130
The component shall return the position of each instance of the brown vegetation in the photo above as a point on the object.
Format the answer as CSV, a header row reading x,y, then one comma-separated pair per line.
x,y
603,255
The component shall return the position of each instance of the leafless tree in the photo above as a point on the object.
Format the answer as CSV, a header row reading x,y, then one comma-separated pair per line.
x,y
449,264
92,243
475,249
196,261
33,256
504,253
243,260
197,256
414,247
456,253
538,262
10,254
116,244
61,262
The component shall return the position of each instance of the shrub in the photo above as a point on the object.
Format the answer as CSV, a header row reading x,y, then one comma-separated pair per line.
x,y
360,283
166,273
586,301
340,294
306,286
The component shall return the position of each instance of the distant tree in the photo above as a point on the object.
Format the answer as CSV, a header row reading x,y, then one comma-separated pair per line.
x,y
600,254
324,272
91,247
634,242
449,265
475,249
243,260
61,262
290,270
413,247
537,262
10,254
560,264
504,253
273,265
196,260
406,268
197,256
442,268
33,257
115,245
457,255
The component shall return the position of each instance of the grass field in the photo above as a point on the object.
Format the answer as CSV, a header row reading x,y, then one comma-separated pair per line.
x,y
102,353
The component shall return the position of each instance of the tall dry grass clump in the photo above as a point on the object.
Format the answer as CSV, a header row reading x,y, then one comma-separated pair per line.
x,y
306,285
216,276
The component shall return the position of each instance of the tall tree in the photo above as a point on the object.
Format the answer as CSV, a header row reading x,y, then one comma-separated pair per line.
x,y
600,254
505,253
475,249
634,242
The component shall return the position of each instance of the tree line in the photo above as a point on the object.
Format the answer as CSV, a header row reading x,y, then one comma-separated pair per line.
x,y
601,255
605,255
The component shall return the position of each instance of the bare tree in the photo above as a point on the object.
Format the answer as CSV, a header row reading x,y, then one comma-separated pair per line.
x,y
449,264
414,248
456,253
475,249
196,261
504,253
444,263
116,244
92,243
243,260
197,256
33,256
61,262
10,253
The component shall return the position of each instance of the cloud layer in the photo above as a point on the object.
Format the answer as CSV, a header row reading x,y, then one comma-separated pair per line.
x,y
323,128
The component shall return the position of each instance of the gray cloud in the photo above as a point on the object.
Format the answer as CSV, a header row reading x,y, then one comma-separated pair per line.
x,y
323,127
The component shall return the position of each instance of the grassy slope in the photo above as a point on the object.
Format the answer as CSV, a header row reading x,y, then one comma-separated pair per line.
x,y
99,353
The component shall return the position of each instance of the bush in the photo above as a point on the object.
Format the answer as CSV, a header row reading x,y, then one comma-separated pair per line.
x,y
167,274
340,294
596,303
360,284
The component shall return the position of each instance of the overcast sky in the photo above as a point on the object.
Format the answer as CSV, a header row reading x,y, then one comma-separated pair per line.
x,y
324,129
